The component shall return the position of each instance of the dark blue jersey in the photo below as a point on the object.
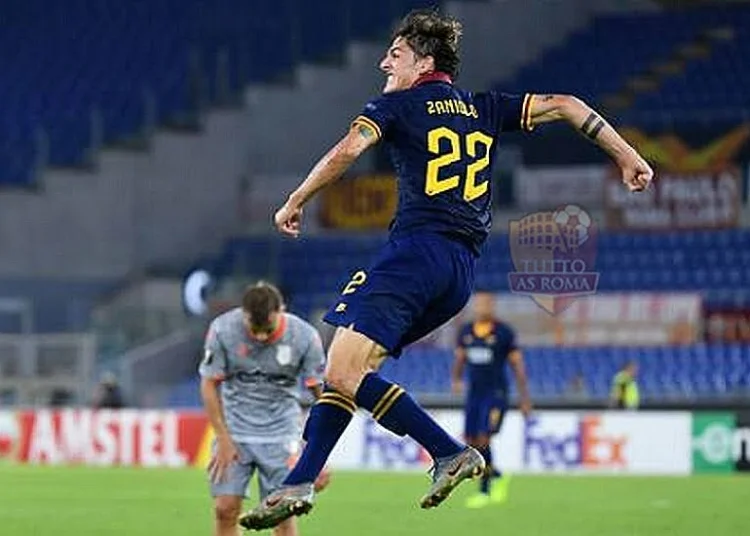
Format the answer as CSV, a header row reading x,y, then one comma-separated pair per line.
x,y
441,141
487,346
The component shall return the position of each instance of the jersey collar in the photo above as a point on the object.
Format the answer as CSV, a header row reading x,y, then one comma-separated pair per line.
x,y
275,335
279,331
434,76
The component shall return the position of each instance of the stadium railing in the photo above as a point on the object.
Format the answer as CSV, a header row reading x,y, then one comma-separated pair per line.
x,y
38,370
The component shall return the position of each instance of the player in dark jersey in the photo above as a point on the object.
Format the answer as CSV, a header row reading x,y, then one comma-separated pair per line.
x,y
441,140
484,348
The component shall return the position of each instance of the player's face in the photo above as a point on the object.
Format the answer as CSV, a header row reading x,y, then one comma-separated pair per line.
x,y
261,333
402,66
484,306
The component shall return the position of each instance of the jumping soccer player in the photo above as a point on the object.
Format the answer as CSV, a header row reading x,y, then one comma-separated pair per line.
x,y
255,359
441,140
487,345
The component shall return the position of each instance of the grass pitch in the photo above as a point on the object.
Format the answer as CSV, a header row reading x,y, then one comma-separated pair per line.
x,y
141,502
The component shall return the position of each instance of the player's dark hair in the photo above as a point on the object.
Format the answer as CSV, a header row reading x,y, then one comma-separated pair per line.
x,y
259,301
431,34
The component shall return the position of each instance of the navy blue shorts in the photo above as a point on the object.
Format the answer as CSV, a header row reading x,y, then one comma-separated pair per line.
x,y
484,414
417,283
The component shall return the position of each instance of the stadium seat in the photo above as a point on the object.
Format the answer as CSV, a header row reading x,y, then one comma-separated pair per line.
x,y
707,87
626,262
71,65
664,372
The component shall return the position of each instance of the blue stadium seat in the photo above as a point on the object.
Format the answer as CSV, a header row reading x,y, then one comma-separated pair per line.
x,y
665,372
673,262
70,63
640,41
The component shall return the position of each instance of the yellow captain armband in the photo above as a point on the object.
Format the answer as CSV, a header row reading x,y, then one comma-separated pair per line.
x,y
367,127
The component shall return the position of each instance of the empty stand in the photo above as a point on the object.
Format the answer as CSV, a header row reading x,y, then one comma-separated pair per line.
x,y
665,373
690,64
313,268
81,73
712,263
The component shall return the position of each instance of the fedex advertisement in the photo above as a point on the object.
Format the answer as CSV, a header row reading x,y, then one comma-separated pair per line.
x,y
572,442
600,442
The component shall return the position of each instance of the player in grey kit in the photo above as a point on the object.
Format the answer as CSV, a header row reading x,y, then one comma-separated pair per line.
x,y
255,358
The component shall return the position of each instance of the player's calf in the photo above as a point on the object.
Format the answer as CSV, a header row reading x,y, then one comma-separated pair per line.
x,y
393,408
353,358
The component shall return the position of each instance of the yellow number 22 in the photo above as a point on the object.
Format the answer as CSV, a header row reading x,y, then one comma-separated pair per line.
x,y
434,184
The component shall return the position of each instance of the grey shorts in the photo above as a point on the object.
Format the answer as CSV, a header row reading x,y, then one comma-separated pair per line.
x,y
270,459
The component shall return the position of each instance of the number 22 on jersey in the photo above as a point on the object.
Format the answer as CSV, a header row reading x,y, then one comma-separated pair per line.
x,y
477,146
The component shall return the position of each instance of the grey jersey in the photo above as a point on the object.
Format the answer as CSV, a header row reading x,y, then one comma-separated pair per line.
x,y
262,382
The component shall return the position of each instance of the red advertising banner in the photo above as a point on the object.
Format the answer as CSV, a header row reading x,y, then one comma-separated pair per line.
x,y
106,438
689,200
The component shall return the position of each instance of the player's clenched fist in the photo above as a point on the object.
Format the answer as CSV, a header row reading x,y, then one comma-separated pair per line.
x,y
288,219
636,173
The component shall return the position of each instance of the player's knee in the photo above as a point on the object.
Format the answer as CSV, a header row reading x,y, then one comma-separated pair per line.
x,y
350,357
342,379
226,511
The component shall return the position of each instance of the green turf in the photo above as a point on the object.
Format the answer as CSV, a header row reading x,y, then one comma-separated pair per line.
x,y
133,502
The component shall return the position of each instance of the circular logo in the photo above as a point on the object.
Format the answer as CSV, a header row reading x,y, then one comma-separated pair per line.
x,y
715,443
195,290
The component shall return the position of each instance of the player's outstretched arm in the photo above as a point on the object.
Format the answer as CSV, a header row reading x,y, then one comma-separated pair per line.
x,y
328,170
636,173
